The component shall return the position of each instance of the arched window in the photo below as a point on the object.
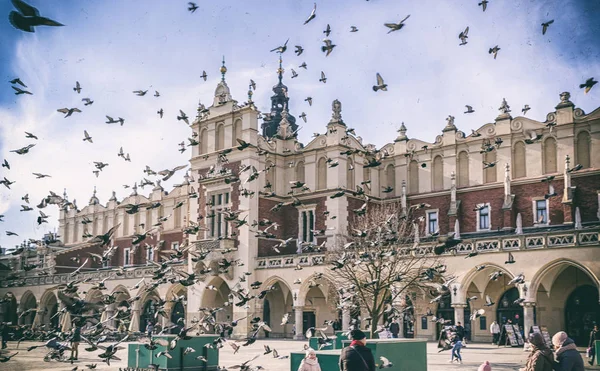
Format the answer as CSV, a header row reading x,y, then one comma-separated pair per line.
x,y
237,133
390,178
350,175
177,217
322,174
413,180
489,173
203,141
270,175
300,172
583,150
550,156
105,226
518,159
125,224
366,178
463,169
438,173
220,137
76,236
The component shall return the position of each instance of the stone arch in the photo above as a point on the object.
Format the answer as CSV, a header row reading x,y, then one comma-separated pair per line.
x,y
549,156
322,173
554,268
122,293
203,141
437,181
49,307
220,136
489,174
93,296
300,176
304,287
519,160
176,310
147,309
217,299
28,301
237,132
582,149
474,277
390,178
463,169
276,304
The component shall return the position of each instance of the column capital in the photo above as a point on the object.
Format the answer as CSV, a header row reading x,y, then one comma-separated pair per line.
x,y
529,304
459,305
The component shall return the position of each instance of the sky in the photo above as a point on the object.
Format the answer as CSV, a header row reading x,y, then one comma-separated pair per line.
x,y
115,47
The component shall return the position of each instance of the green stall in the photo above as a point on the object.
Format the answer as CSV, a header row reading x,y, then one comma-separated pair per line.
x,y
313,342
140,357
597,350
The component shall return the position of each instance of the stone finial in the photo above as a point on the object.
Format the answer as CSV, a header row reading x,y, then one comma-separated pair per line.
x,y
450,125
157,186
564,100
284,128
94,200
336,115
134,193
504,107
113,197
401,133
223,70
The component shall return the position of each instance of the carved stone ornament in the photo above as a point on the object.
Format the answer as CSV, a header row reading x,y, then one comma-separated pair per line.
x,y
504,107
336,107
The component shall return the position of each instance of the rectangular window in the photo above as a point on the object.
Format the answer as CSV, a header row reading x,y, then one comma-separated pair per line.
x,y
307,225
105,264
149,254
219,227
541,212
432,223
174,245
127,257
484,218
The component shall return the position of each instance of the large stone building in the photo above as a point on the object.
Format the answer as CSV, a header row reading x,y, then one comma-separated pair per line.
x,y
495,209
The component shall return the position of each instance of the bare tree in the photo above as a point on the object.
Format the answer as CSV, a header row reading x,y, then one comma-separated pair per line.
x,y
382,260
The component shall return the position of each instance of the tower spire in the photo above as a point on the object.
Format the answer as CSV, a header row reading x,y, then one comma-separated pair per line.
x,y
223,70
280,70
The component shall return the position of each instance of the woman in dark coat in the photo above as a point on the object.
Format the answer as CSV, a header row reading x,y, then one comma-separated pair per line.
x,y
357,357
567,355
540,358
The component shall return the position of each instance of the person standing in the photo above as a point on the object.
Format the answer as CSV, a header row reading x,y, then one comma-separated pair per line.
x,y
75,340
495,331
460,331
540,358
594,336
394,329
149,328
357,357
310,361
457,345
567,356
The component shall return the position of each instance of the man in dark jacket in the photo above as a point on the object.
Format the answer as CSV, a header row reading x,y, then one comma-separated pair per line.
x,y
357,357
594,336
394,329
460,331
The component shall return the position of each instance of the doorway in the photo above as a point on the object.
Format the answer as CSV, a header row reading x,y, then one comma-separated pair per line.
x,y
308,320
582,311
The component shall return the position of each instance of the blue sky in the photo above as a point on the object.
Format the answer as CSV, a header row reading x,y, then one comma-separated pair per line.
x,y
115,47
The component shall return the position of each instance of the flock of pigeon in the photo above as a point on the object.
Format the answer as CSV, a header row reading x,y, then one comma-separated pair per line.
x,y
98,331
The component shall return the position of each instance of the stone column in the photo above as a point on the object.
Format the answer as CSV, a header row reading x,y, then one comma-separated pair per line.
x,y
459,313
528,318
401,326
298,314
345,319
135,320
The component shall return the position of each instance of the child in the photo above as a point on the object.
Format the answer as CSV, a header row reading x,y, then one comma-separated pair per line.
x,y
456,347
310,362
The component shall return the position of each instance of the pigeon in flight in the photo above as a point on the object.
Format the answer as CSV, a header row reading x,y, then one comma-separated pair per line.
x,y
252,84
281,49
87,101
68,111
312,14
309,99
353,29
140,93
86,137
380,84
589,83
30,136
204,75
483,4
19,91
18,81
525,109
77,87
27,17
113,121
494,51
328,47
160,113
24,150
299,50
463,36
545,26
156,94
6,164
327,30
323,79
396,26
192,7
183,116
469,109
303,65
303,116
294,74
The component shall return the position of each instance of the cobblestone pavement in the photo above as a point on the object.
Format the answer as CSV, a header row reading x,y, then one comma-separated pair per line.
x,y
502,359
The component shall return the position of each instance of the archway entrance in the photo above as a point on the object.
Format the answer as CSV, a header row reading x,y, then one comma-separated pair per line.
x,y
9,309
147,314
217,297
177,313
582,311
27,302
409,319
508,310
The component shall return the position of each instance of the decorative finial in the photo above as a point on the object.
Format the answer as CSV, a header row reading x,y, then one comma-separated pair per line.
x,y
94,191
134,193
564,100
402,133
280,70
504,107
223,70
450,125
336,115
114,196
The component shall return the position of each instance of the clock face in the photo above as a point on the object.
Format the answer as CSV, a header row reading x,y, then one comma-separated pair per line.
x,y
279,105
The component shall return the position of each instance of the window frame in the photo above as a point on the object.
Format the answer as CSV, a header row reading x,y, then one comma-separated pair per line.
x,y
149,255
489,217
534,203
311,238
437,220
217,226
127,261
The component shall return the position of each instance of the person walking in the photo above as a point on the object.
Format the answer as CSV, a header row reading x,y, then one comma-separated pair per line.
x,y
357,357
567,356
310,361
460,331
540,358
495,331
75,340
594,336
457,345
394,329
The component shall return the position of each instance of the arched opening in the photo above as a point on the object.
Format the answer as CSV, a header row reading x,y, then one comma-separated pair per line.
x,y
316,306
217,298
28,302
445,309
409,318
220,137
300,172
489,173
550,156
519,161
203,141
508,310
270,176
390,179
49,307
277,303
321,174
237,133
463,169
178,317
438,173
583,149
413,179
582,312
147,314
9,308
350,182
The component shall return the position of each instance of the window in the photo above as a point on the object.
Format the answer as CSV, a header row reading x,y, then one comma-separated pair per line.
x,y
549,152
463,169
203,141
237,133
174,245
218,227
366,178
541,212
438,173
321,174
390,178
519,165
483,218
105,263
350,175
127,256
432,222
583,150
413,180
220,137
307,225
300,172
149,254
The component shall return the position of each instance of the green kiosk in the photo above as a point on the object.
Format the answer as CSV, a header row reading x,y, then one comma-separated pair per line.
x,y
140,357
